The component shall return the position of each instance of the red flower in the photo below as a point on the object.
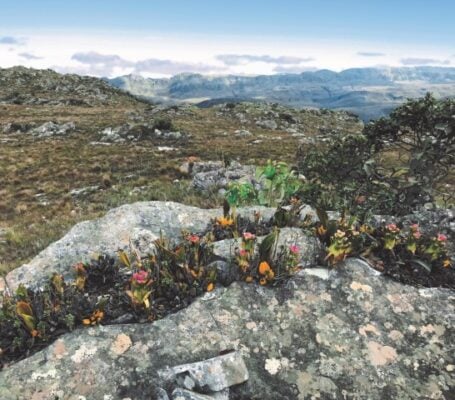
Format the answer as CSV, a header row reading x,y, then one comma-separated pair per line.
x,y
193,239
294,249
140,277
248,236
243,252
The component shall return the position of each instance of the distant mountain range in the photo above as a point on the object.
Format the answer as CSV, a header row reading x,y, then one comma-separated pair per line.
x,y
367,92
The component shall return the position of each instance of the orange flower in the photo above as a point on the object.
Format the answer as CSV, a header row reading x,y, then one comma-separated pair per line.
x,y
223,221
264,268
96,317
210,287
263,281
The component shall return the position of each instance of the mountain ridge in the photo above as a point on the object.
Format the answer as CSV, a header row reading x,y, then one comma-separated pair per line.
x,y
367,92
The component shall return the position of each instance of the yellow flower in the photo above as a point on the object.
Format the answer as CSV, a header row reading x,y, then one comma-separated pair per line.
x,y
340,234
446,263
210,287
264,268
263,281
225,221
321,231
249,279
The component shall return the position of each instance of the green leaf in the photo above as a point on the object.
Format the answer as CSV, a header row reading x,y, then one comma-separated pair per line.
x,y
267,245
323,217
422,264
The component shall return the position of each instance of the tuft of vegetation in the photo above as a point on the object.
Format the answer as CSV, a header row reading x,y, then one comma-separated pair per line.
x,y
278,182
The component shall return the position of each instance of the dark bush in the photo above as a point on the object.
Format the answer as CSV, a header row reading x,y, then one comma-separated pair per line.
x,y
163,124
395,166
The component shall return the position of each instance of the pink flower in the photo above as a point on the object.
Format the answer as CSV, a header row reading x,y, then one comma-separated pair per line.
x,y
442,237
392,228
248,236
294,249
140,277
417,235
193,239
243,252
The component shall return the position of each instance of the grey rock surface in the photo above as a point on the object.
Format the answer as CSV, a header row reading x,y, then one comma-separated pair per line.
x,y
347,334
50,129
133,132
216,176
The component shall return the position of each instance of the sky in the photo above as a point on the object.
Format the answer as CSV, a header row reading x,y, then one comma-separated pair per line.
x,y
161,38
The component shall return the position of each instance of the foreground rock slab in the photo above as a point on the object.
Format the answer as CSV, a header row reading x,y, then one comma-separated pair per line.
x,y
343,334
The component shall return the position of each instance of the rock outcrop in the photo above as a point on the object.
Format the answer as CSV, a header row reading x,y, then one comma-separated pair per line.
x,y
131,132
137,224
342,334
214,175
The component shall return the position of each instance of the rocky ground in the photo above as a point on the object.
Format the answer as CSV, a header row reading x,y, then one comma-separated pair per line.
x,y
349,332
73,149
111,149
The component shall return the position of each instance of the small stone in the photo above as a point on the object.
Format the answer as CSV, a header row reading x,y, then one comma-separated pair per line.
x,y
183,394
215,374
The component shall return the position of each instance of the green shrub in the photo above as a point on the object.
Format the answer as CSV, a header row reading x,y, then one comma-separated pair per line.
x,y
395,166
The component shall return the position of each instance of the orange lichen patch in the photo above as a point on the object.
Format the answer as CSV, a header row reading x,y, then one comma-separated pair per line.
x,y
59,349
364,330
358,286
381,355
437,329
395,335
399,303
121,344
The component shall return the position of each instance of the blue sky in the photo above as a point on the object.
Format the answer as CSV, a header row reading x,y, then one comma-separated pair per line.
x,y
207,36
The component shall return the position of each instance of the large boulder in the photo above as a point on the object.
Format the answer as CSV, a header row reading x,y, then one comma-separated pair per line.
x,y
137,224
342,334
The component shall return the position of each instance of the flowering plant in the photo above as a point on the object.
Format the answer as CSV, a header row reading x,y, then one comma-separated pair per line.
x,y
139,291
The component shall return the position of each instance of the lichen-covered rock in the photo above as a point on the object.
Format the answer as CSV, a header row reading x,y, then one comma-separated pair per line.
x,y
344,334
137,224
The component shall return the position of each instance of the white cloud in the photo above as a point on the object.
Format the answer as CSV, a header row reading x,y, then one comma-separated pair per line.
x,y
12,40
242,59
370,54
423,61
29,56
156,55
